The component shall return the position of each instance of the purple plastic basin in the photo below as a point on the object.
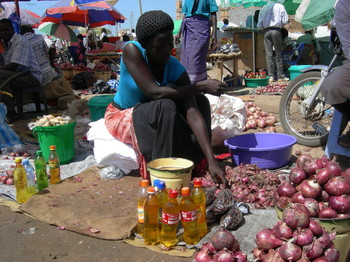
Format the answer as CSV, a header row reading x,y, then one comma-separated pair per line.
x,y
266,150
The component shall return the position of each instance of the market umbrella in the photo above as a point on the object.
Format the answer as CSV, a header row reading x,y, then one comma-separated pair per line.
x,y
312,13
27,17
60,31
95,14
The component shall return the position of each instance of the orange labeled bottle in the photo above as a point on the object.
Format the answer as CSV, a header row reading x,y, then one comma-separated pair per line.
x,y
188,212
141,196
54,166
170,220
20,178
198,196
151,208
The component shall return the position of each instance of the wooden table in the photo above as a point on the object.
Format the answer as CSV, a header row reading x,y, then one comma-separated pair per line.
x,y
220,58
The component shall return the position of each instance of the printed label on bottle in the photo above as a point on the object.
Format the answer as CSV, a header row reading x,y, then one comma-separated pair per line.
x,y
140,213
53,164
170,219
188,216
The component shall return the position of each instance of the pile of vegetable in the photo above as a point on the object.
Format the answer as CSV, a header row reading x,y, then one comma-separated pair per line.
x,y
320,185
296,238
7,178
271,88
51,120
223,247
257,118
249,184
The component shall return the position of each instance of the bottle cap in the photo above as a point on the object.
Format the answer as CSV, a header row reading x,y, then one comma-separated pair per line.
x,y
39,152
185,191
18,160
156,182
151,190
197,182
161,184
53,147
25,161
144,183
173,193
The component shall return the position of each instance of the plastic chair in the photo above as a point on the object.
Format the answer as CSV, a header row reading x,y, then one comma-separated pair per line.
x,y
18,92
337,127
294,61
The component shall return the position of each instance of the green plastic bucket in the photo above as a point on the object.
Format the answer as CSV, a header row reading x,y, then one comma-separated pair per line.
x,y
295,70
61,136
98,105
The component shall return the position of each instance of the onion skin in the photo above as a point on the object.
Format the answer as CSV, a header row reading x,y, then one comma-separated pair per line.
x,y
303,236
301,160
337,186
310,167
322,176
297,175
324,239
283,202
203,256
290,252
240,256
310,189
327,213
331,254
334,168
209,248
314,250
298,198
266,240
286,189
315,227
341,204
223,256
321,259
312,205
296,215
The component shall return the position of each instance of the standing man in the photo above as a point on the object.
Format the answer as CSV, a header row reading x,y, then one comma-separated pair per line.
x,y
18,56
198,26
91,38
271,19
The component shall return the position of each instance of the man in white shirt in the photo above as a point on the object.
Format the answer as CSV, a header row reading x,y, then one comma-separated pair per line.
x,y
336,88
271,19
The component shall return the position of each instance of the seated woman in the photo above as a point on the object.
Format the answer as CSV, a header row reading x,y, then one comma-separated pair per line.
x,y
156,109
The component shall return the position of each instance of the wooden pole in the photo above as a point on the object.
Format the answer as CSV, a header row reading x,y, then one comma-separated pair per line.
x,y
17,8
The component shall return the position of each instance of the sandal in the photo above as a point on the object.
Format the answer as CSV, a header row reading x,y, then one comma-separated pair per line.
x,y
344,140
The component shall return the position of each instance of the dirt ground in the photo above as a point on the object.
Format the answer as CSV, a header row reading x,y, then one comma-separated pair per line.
x,y
49,244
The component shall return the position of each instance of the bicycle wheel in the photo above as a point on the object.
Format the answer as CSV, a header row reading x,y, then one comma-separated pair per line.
x,y
310,129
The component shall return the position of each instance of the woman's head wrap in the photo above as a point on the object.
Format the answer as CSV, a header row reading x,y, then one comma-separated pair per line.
x,y
152,22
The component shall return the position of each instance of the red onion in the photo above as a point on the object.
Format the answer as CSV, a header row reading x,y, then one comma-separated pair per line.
x,y
283,231
322,162
322,176
334,168
346,175
290,252
331,254
222,238
258,253
310,167
266,240
327,213
209,248
223,256
323,205
203,256
296,215
324,239
286,189
314,250
301,160
282,202
298,198
340,204
310,189
303,236
315,227
297,175
261,123
240,256
312,205
321,259
337,186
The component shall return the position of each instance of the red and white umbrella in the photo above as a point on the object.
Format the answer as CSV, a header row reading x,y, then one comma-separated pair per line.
x,y
27,17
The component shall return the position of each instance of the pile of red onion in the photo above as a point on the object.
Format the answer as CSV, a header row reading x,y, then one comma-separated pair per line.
x,y
296,238
271,88
259,119
223,247
320,185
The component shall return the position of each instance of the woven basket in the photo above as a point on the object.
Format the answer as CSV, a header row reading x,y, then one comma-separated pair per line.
x,y
103,75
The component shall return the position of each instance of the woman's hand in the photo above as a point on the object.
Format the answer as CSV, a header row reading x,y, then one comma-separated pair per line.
x,y
177,38
217,174
212,86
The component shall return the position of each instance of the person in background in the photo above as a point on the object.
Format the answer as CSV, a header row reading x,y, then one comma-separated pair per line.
x,y
272,18
336,89
252,20
91,38
289,48
156,109
133,35
41,52
225,23
78,52
103,34
198,26
18,56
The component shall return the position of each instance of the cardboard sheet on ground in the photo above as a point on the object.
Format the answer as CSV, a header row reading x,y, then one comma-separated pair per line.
x,y
86,203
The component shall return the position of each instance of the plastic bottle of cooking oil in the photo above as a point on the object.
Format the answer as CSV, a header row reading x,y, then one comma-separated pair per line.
x,y
20,177
188,214
198,196
54,166
162,195
141,196
170,220
151,228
